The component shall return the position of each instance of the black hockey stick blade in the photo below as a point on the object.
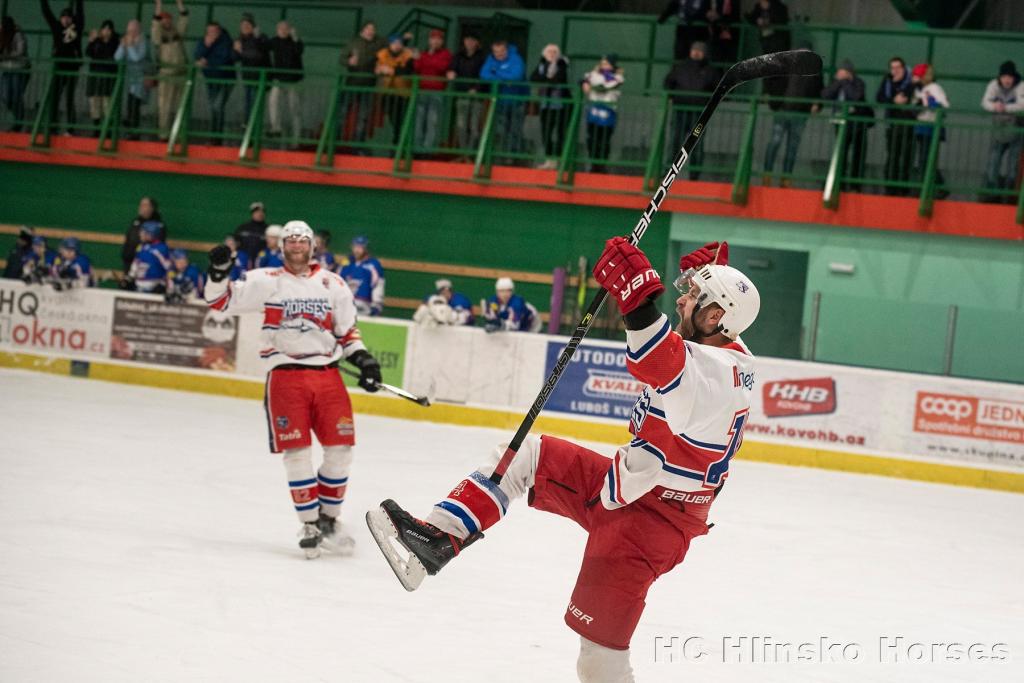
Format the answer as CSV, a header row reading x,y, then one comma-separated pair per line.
x,y
397,391
787,63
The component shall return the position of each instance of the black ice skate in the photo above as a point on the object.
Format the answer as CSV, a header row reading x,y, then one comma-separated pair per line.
x,y
429,549
334,537
309,540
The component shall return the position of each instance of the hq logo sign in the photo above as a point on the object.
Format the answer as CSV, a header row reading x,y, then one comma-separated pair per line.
x,y
789,397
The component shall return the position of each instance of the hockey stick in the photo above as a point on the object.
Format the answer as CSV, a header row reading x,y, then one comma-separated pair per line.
x,y
397,391
790,63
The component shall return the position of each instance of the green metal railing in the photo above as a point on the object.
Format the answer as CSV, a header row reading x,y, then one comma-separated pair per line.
x,y
339,122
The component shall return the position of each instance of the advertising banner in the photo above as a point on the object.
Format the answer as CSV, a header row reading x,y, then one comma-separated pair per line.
x,y
38,318
595,383
387,344
186,335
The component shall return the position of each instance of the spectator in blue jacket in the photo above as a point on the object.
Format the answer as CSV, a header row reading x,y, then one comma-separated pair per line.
x,y
215,54
505,66
148,271
506,310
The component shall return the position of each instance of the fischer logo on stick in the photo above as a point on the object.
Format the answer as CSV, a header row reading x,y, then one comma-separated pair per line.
x,y
812,396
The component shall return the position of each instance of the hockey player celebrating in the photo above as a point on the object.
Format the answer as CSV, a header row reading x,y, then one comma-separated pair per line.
x,y
309,325
641,508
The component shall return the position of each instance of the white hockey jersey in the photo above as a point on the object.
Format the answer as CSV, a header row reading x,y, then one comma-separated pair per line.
x,y
310,320
688,422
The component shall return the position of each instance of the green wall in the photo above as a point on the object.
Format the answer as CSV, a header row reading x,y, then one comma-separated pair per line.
x,y
893,311
487,233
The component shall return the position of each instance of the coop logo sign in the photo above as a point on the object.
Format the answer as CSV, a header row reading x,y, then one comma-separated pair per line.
x,y
972,417
789,397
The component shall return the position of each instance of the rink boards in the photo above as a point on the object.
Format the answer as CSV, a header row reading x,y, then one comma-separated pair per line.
x,y
921,427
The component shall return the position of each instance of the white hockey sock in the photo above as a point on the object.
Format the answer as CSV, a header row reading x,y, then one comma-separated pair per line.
x,y
298,465
476,503
332,479
600,664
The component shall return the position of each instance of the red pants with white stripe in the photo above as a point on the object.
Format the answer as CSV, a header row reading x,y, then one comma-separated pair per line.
x,y
307,400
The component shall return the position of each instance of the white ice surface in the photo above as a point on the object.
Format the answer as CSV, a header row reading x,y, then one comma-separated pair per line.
x,y
147,535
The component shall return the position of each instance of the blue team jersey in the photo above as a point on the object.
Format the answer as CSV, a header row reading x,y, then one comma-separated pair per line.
x,y
189,280
78,269
514,315
362,276
240,266
150,267
269,258
460,302
326,261
32,261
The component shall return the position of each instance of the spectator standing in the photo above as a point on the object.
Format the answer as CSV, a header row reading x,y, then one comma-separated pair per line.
x,y
365,275
148,271
168,38
508,311
724,35
37,267
71,268
431,66
249,235
771,17
240,261
135,53
67,52
847,86
184,281
147,211
1004,98
553,74
506,67
102,71
19,254
897,89
286,55
928,95
444,307
692,75
360,56
322,253
602,87
789,121
271,256
14,71
252,50
394,64
215,56
464,69
692,16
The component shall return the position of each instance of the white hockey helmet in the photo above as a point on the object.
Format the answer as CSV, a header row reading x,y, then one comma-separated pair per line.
x,y
733,291
504,283
299,229
272,231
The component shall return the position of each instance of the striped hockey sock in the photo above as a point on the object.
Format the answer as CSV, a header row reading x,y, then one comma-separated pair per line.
x,y
331,493
304,496
475,504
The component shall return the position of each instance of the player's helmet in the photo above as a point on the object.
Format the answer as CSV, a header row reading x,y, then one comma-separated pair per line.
x,y
71,244
272,231
179,254
151,228
504,283
361,241
299,229
734,292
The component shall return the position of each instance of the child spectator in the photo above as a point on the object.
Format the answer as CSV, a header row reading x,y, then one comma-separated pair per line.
x,y
365,275
506,310
286,54
602,86
148,272
134,51
466,66
444,307
431,66
14,70
184,281
168,40
71,269
271,256
251,49
929,95
102,71
553,74
38,265
1004,97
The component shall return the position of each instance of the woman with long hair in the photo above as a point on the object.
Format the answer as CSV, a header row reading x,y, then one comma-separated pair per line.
x,y
134,51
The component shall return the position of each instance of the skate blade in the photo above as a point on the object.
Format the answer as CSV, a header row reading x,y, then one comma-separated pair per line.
x,y
312,553
408,569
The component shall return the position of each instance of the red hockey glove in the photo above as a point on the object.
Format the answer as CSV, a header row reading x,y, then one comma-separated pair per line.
x,y
705,255
627,274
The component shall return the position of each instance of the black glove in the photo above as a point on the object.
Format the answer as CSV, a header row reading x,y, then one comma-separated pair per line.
x,y
220,263
369,370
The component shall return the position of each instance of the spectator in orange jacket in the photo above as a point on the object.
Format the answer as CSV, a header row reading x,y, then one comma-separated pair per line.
x,y
394,64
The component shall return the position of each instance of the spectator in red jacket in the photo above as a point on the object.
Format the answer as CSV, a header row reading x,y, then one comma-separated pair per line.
x,y
431,66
